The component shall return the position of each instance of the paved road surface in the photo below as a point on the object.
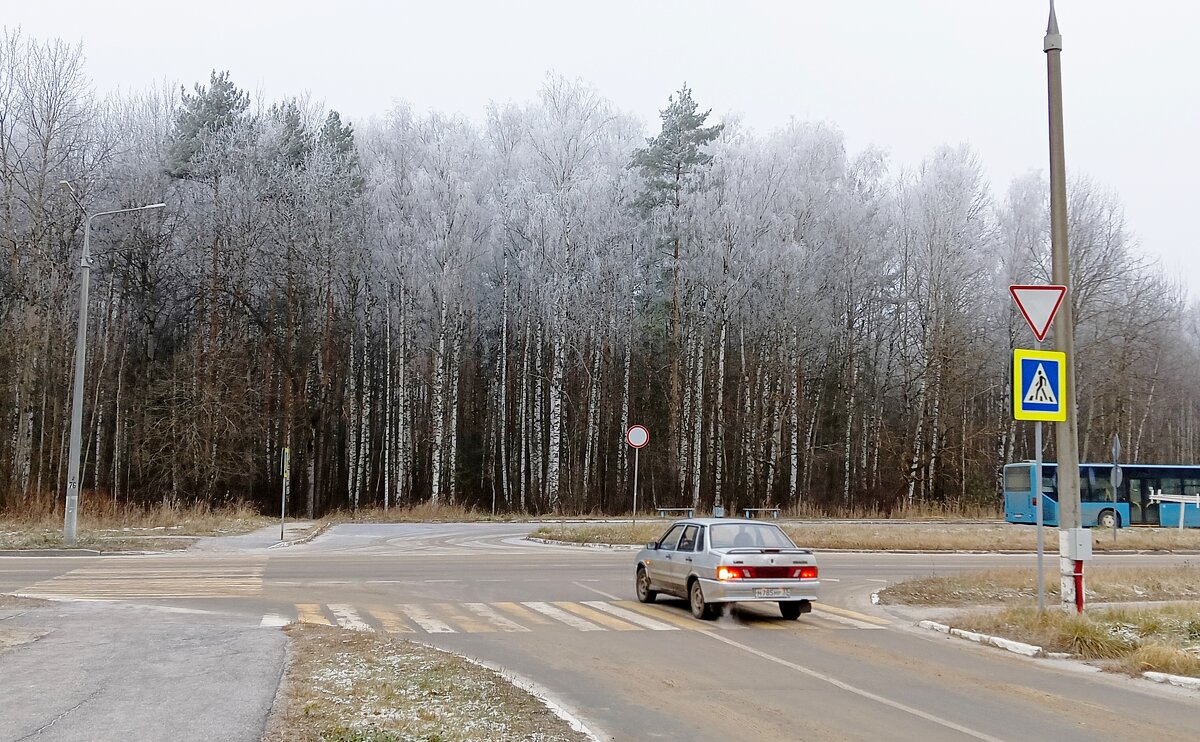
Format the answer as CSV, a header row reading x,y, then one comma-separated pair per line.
x,y
565,617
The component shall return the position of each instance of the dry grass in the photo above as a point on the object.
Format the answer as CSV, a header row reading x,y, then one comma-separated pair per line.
x,y
899,536
346,686
1133,640
419,513
604,533
1019,586
105,525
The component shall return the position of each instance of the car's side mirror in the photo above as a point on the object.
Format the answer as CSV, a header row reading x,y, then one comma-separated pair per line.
x,y
653,546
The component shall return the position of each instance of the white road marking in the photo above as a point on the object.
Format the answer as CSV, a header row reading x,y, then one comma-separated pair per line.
x,y
847,620
422,618
441,580
630,616
348,618
831,579
559,614
853,689
598,592
486,611
274,620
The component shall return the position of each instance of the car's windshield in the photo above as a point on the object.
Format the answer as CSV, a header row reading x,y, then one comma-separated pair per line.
x,y
752,535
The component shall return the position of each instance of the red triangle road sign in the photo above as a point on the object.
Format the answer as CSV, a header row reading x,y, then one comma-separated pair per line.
x,y
1038,304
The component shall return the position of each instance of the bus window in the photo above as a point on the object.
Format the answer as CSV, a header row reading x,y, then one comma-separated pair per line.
x,y
1099,487
1050,482
1018,478
1170,486
1191,486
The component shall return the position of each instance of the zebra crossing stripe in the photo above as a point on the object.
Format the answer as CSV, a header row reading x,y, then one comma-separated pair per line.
x,y
467,623
523,613
591,614
427,622
630,616
311,613
348,618
682,620
558,614
847,613
485,611
391,622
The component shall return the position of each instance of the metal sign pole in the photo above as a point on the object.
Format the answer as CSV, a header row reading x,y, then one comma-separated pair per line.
x,y
635,473
1037,496
283,494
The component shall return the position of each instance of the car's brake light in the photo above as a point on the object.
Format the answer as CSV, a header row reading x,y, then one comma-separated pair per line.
x,y
805,573
730,573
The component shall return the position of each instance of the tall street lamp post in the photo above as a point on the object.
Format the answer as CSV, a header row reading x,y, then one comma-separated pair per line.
x,y
85,262
1066,439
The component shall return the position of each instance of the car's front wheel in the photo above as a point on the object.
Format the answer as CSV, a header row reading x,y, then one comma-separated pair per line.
x,y
642,586
701,609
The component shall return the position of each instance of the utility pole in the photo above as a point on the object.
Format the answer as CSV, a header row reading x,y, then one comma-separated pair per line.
x,y
1066,438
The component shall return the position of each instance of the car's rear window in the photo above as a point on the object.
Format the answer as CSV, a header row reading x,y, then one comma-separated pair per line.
x,y
752,535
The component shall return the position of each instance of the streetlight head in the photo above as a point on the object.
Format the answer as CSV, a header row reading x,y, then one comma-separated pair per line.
x,y
1053,40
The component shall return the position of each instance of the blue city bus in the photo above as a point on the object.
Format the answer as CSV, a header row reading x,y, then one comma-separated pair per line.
x,y
1100,505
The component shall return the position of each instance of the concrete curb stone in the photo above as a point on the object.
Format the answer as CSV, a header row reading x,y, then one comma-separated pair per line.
x,y
1029,650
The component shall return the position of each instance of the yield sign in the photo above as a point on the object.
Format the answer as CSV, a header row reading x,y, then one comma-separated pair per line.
x,y
1038,304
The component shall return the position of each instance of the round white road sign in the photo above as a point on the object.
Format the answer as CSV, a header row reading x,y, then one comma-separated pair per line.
x,y
637,436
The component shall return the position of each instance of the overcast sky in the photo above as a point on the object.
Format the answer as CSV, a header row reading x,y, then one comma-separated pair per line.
x,y
905,75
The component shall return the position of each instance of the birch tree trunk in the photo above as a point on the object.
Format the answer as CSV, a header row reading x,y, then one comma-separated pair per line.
x,y
452,448
438,413
698,422
553,455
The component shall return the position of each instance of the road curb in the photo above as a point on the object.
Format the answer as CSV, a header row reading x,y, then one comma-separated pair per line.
x,y
610,547
313,533
51,552
1028,650
1183,681
541,693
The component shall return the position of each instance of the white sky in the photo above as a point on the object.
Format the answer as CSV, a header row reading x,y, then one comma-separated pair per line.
x,y
906,75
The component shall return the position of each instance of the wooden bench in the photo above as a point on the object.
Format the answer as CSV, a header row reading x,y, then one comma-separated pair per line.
x,y
662,512
749,511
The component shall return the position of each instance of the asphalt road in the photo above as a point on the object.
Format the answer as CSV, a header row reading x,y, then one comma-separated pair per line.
x,y
566,619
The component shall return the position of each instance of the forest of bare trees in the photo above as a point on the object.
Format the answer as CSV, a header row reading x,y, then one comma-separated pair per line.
x,y
426,308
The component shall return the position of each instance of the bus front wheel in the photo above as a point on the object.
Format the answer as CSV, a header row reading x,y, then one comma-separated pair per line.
x,y
1108,519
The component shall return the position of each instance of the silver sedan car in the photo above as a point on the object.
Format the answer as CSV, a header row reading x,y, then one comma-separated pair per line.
x,y
714,561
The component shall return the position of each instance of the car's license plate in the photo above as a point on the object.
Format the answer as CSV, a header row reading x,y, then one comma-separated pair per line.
x,y
772,592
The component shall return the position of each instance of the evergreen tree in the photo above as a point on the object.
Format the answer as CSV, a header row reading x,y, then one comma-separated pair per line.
x,y
676,153
202,114
668,162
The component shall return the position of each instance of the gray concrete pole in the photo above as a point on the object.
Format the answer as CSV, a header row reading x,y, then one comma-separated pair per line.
x,y
1066,438
72,508
70,517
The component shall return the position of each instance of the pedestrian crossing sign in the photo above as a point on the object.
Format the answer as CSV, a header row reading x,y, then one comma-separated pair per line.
x,y
1039,385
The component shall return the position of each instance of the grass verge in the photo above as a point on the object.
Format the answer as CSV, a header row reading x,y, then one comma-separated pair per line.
x,y
1133,640
900,536
347,686
107,526
1019,586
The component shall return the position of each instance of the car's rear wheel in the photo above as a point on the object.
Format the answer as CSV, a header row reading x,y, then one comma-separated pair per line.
x,y
701,609
791,609
642,586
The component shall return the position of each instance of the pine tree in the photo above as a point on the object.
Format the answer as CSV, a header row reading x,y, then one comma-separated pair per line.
x,y
206,112
669,164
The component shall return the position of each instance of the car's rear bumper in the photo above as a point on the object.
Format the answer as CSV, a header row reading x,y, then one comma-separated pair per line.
x,y
743,591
